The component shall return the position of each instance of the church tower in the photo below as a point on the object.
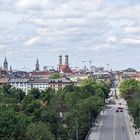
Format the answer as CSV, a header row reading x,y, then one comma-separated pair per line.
x,y
66,60
11,69
5,64
37,65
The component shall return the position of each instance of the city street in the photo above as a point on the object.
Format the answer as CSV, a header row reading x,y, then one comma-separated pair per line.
x,y
110,126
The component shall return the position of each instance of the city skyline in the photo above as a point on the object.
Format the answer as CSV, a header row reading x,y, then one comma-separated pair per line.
x,y
103,31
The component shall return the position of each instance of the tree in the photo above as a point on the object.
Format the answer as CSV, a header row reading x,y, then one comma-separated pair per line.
x,y
130,90
128,87
134,107
35,93
13,125
38,131
19,95
7,89
56,76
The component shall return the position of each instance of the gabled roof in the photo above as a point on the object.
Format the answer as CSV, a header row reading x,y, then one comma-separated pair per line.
x,y
130,70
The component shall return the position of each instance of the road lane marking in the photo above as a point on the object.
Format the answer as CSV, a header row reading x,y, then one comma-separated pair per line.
x,y
110,124
114,124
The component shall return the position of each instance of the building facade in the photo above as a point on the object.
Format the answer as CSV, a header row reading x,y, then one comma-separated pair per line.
x,y
20,84
41,84
59,83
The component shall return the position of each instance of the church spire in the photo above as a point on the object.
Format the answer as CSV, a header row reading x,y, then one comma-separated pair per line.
x,y
5,64
37,65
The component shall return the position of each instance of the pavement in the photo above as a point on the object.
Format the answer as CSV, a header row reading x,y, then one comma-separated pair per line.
x,y
110,123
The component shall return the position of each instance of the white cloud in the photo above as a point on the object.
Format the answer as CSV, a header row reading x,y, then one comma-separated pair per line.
x,y
33,41
131,29
31,3
131,41
111,40
3,46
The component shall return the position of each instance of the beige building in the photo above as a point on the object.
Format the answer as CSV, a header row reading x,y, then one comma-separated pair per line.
x,y
59,83
138,76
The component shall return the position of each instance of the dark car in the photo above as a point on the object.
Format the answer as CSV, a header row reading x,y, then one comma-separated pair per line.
x,y
117,110
121,110
120,107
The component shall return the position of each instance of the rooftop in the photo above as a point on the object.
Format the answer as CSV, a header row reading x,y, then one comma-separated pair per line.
x,y
18,80
4,80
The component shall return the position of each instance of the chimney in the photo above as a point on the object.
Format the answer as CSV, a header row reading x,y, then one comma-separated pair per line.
x,y
66,59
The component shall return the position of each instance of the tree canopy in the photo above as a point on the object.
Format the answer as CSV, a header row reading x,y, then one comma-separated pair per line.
x,y
130,90
50,115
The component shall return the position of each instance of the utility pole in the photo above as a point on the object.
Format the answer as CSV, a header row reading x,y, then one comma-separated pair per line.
x,y
90,66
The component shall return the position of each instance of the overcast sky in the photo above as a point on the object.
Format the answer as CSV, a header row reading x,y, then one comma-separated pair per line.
x,y
105,31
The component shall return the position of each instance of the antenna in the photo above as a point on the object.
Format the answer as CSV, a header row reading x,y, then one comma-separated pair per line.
x,y
90,62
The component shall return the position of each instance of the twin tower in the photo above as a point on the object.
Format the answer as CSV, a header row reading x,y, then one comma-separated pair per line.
x,y
60,63
66,60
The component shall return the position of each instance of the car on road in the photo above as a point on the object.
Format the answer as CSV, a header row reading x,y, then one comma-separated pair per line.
x,y
120,107
117,110
121,110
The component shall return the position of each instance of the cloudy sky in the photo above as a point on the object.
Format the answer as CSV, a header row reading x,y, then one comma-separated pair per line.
x,y
104,31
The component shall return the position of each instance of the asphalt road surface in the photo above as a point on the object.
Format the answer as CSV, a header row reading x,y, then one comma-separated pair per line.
x,y
111,127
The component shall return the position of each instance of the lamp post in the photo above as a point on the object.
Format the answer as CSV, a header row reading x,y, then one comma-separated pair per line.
x,y
107,67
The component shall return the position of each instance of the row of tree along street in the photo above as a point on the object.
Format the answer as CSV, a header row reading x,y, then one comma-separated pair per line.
x,y
48,115
130,90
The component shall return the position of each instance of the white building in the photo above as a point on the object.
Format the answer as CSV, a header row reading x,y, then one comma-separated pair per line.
x,y
26,84
19,83
41,84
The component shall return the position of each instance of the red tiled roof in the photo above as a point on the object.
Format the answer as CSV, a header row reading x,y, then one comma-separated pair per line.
x,y
66,69
3,80
41,73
